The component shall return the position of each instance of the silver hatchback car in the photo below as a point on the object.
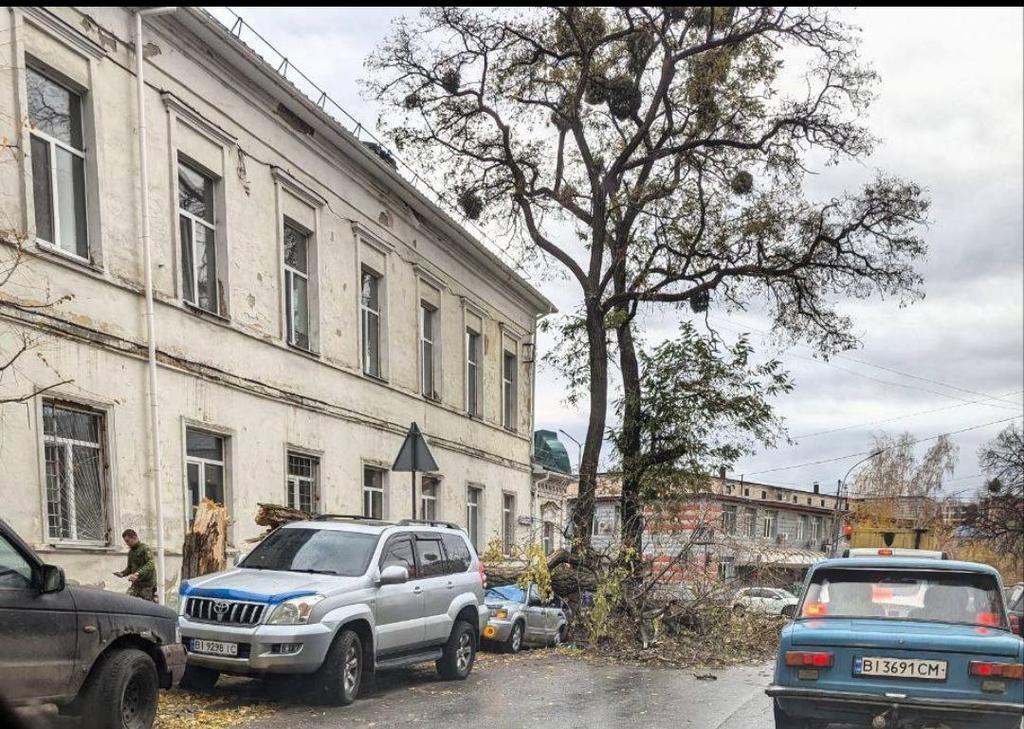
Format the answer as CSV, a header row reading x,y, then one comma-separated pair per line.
x,y
338,597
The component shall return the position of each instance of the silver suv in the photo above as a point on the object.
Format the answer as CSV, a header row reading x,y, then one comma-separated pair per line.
x,y
338,597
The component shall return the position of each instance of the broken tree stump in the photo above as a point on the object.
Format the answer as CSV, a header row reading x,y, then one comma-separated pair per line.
x,y
205,548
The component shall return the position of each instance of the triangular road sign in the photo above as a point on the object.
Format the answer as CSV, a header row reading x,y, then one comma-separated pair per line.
x,y
414,455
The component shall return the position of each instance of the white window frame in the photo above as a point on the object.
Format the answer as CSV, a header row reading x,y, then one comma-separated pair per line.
x,y
52,144
294,482
381,490
750,530
474,373
290,273
770,524
225,442
729,524
510,389
364,313
801,529
473,513
194,220
427,312
66,446
431,499
508,522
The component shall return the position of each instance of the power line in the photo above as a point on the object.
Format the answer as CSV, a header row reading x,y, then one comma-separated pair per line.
x,y
742,328
903,417
864,453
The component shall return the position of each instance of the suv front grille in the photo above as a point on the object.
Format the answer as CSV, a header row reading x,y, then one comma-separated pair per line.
x,y
229,612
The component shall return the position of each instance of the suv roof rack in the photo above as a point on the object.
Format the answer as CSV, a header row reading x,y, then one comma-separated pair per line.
x,y
429,522
347,517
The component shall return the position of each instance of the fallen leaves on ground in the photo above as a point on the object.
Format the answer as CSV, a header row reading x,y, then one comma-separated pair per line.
x,y
185,710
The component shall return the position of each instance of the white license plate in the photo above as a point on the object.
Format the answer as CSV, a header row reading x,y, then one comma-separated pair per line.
x,y
900,668
214,647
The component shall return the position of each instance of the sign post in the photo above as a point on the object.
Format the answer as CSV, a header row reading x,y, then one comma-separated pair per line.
x,y
413,456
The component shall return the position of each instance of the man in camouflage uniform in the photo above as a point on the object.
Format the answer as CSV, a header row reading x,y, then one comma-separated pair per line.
x,y
141,571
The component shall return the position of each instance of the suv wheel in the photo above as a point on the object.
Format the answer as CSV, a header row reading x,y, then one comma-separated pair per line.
x,y
515,639
559,638
123,691
459,653
199,678
338,680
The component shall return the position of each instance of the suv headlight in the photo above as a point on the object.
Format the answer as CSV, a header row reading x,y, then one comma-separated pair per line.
x,y
295,611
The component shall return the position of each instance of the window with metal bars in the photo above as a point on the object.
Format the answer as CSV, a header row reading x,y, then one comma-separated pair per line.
x,y
76,489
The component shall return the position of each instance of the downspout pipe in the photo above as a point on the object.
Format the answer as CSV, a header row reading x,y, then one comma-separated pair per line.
x,y
154,400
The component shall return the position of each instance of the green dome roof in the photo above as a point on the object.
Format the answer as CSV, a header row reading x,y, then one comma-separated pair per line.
x,y
550,452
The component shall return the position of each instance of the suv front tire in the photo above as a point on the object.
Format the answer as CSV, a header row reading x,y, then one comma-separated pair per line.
x,y
123,691
459,654
340,676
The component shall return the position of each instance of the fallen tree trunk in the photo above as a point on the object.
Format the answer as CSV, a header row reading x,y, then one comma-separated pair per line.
x,y
205,547
567,580
275,515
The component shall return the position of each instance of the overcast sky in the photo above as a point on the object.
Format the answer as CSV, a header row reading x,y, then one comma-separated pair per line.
x,y
951,117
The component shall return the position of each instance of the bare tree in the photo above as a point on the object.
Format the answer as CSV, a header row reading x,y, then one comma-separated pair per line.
x,y
997,516
656,156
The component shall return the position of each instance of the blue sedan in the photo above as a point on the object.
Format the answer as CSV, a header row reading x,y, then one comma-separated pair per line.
x,y
899,643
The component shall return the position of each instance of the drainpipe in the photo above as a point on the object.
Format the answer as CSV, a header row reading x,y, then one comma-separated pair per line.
x,y
154,419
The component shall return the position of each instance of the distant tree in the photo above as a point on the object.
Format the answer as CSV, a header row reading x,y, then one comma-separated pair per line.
x,y
655,156
997,516
895,487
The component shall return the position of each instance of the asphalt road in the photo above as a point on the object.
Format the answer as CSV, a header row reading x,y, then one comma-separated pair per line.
x,y
542,690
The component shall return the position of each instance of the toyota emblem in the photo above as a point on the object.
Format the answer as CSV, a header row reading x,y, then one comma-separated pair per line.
x,y
219,608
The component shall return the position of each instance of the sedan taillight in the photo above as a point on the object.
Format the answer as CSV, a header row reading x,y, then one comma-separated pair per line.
x,y
800,659
987,669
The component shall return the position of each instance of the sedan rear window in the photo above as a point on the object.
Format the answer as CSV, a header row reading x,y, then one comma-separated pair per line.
x,y
934,596
318,551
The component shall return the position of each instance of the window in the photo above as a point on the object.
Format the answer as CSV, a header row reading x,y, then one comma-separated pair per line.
x,y
75,489
370,308
473,515
778,496
58,164
459,556
509,391
473,373
303,486
373,493
750,519
801,530
198,239
399,552
293,549
428,499
816,528
508,522
808,500
764,494
204,466
296,284
746,492
548,537
823,502
726,568
606,520
428,331
727,489
430,557
729,519
770,526
15,571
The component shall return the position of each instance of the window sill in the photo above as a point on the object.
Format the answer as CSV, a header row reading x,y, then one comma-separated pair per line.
x,y
203,313
312,354
375,378
90,547
61,256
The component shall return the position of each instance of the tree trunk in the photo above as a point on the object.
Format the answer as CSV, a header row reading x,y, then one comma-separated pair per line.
x,y
205,548
583,514
630,445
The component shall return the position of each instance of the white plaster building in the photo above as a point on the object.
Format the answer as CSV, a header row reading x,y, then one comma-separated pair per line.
x,y
309,303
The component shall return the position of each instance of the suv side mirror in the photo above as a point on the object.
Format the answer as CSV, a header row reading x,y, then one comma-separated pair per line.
x,y
393,575
51,578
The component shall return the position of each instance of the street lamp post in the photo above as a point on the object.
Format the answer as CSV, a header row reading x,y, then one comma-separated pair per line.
x,y
840,489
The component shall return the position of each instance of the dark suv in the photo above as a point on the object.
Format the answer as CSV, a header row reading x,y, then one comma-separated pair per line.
x,y
95,653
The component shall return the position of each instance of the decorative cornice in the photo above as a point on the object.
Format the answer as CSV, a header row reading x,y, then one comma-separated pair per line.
x,y
49,22
371,238
297,189
195,120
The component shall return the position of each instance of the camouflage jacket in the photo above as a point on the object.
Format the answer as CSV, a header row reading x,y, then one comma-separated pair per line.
x,y
140,559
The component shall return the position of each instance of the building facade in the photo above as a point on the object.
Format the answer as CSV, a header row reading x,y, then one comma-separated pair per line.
x,y
309,303
730,527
